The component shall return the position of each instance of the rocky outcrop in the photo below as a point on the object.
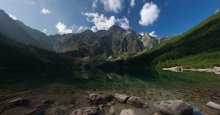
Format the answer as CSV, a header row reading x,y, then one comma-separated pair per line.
x,y
213,105
86,111
174,69
175,107
127,112
215,70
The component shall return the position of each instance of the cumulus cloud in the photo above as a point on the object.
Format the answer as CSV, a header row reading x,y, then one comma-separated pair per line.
x,y
132,4
124,23
153,34
79,29
102,22
13,17
45,11
62,29
112,5
149,14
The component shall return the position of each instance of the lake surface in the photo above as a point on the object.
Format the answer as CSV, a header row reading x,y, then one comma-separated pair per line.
x,y
70,89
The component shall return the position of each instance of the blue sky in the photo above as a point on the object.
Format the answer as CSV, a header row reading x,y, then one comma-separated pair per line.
x,y
158,17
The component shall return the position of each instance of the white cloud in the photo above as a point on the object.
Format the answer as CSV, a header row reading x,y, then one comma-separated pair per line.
x,y
149,13
132,4
217,11
102,22
13,17
124,23
62,29
79,29
153,34
112,5
45,11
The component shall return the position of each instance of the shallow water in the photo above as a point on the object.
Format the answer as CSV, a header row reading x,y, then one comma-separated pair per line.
x,y
70,88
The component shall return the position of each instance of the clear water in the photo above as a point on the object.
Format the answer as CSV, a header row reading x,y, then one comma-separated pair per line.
x,y
70,88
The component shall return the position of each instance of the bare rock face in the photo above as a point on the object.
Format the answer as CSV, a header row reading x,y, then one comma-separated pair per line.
x,y
100,98
135,101
175,107
149,41
121,97
86,111
127,112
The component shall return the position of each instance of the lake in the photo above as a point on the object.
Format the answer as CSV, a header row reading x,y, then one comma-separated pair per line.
x,y
69,90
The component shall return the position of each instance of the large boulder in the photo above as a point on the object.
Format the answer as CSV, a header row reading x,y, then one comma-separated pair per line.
x,y
213,105
175,107
100,98
127,112
86,111
135,101
121,97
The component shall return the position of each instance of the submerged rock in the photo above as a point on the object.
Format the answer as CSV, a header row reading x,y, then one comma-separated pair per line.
x,y
127,112
86,111
213,105
121,97
175,107
100,98
135,101
19,102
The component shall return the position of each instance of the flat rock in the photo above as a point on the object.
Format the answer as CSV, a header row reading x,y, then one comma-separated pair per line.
x,y
135,101
121,97
100,98
213,105
86,111
175,107
127,112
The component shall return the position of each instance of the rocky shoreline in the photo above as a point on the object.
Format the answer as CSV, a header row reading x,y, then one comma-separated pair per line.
x,y
100,104
215,70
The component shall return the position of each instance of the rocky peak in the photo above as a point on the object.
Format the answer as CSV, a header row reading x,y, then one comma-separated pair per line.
x,y
116,29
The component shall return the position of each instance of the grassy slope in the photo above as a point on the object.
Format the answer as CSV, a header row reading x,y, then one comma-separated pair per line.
x,y
199,47
14,54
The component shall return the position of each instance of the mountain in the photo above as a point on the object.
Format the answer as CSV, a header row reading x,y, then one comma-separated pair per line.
x,y
113,42
14,54
197,48
16,30
149,41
